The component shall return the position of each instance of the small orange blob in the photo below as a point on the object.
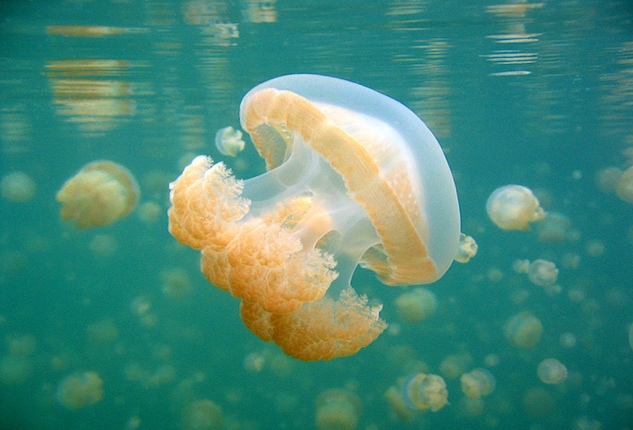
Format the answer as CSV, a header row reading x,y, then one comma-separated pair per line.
x,y
354,177
99,194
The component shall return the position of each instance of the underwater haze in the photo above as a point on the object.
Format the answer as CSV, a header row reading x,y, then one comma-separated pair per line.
x,y
106,320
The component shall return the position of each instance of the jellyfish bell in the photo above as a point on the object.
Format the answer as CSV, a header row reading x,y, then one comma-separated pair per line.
x,y
80,389
17,187
514,207
99,194
425,391
478,383
229,141
523,330
337,409
354,177
551,371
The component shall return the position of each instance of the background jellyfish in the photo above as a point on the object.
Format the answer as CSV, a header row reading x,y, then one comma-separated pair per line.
x,y
229,141
624,187
356,192
524,330
99,194
478,383
425,391
80,389
337,410
542,272
416,305
551,371
514,207
17,187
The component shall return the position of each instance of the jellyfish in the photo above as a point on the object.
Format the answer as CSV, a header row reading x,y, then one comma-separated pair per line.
x,y
398,406
337,409
416,305
514,207
425,391
624,187
466,249
554,228
478,383
80,389
229,141
524,330
202,414
99,194
354,177
542,272
551,371
17,187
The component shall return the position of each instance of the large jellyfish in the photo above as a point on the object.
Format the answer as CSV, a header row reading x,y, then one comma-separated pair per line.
x,y
354,177
99,194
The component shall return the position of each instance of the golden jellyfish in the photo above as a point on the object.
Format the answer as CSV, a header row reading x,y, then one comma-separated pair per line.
x,y
542,272
17,187
466,249
425,391
478,383
80,389
624,187
554,228
416,305
514,207
524,330
551,371
354,177
229,141
203,414
99,194
337,410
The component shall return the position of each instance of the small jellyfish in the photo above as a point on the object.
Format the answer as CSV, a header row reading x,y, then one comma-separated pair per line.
x,y
103,245
607,179
99,194
17,187
538,402
453,366
514,207
79,390
478,383
624,187
354,178
523,330
554,228
422,391
229,141
551,371
15,370
398,406
542,272
416,305
337,409
202,414
176,283
466,249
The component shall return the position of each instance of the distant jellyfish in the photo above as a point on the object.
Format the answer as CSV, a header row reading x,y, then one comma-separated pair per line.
x,y
80,389
478,383
176,283
416,305
514,207
523,330
353,178
337,409
103,245
425,391
453,366
17,187
202,414
624,187
538,402
99,194
149,212
466,249
551,371
542,272
554,228
398,406
104,332
607,179
229,141
15,370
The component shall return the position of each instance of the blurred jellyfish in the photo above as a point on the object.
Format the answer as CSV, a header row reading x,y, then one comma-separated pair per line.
x,y
554,228
422,391
513,207
104,332
551,371
542,272
202,414
103,245
79,390
538,402
176,283
607,179
453,366
594,248
624,187
21,344
398,406
337,409
466,249
229,141
149,212
15,370
99,194
523,330
568,340
478,383
416,305
17,187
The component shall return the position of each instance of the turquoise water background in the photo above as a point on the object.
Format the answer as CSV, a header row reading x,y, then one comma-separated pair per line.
x,y
537,94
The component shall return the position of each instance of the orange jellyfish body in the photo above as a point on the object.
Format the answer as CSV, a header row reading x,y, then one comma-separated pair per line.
x,y
99,194
354,177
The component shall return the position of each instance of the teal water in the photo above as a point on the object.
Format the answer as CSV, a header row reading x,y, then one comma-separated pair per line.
x,y
537,94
